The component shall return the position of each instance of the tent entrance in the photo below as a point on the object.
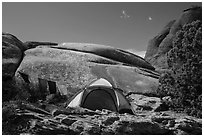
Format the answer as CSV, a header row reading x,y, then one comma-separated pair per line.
x,y
99,99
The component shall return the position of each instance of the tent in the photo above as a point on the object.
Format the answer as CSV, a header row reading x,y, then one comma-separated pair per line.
x,y
101,95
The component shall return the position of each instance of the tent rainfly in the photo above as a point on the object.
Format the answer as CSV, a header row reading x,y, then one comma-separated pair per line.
x,y
101,95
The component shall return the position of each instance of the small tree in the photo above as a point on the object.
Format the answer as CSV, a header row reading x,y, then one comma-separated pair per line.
x,y
184,84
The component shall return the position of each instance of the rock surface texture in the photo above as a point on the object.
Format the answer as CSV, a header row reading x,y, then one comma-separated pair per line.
x,y
159,46
12,55
44,119
33,44
73,66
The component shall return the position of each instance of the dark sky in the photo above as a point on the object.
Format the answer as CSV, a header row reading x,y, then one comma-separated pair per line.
x,y
122,25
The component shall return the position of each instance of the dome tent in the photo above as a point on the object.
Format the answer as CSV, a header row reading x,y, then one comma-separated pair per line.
x,y
101,95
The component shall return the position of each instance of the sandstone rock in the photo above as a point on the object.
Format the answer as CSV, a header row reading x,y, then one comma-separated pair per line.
x,y
142,102
85,128
154,43
71,71
159,46
189,15
189,126
70,67
110,120
107,52
138,127
68,121
39,121
12,54
13,40
136,52
33,44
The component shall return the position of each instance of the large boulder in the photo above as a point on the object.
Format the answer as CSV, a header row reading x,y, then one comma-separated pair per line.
x,y
67,70
159,46
12,54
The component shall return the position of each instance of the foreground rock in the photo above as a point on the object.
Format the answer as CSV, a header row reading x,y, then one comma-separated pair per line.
x,y
25,118
144,103
159,46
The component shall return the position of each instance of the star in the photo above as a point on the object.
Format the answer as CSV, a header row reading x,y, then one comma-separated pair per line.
x,y
149,18
124,14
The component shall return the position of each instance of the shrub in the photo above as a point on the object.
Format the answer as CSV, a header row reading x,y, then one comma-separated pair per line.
x,y
184,84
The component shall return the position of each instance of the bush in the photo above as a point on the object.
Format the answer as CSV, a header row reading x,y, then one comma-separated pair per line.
x,y
184,84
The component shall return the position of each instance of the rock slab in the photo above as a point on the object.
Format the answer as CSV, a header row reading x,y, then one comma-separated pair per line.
x,y
72,70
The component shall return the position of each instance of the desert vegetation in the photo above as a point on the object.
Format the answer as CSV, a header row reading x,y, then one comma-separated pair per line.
x,y
184,82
